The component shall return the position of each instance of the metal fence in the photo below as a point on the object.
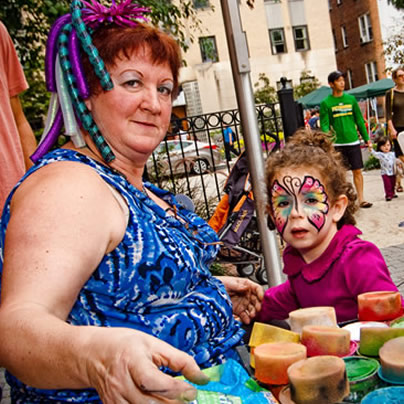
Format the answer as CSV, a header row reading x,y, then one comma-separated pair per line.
x,y
192,159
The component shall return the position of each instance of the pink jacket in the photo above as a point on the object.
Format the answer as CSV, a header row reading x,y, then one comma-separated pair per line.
x,y
348,267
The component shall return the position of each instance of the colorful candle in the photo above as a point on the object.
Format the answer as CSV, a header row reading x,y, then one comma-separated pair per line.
x,y
273,359
324,340
379,306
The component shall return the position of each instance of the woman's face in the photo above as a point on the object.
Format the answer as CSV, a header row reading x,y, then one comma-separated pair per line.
x,y
134,116
301,209
399,77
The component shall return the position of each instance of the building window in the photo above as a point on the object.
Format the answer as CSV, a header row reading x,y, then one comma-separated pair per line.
x,y
349,77
201,3
278,44
334,37
365,28
301,38
371,72
339,2
208,49
344,37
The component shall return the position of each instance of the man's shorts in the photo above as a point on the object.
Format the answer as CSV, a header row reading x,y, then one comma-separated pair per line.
x,y
351,155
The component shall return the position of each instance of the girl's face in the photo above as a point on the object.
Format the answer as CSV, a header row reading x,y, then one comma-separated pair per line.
x,y
302,211
386,147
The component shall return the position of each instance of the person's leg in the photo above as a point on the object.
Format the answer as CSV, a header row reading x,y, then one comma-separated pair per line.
x,y
354,156
358,182
399,187
234,150
388,186
393,180
227,151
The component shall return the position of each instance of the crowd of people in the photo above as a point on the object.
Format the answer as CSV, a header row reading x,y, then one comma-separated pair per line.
x,y
106,289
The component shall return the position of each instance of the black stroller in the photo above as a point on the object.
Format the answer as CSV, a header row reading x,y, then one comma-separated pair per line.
x,y
235,222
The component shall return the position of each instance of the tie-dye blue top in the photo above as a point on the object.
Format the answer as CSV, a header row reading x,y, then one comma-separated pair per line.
x,y
157,280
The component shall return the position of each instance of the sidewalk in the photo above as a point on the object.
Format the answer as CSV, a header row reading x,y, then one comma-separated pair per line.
x,y
379,224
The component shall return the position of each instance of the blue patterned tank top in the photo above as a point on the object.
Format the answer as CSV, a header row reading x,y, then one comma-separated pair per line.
x,y
157,280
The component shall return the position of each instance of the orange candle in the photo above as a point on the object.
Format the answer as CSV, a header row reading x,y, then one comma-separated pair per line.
x,y
379,306
273,359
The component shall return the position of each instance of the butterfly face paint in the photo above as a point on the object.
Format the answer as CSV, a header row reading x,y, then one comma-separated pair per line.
x,y
308,197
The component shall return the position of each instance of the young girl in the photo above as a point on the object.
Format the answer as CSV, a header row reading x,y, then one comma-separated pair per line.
x,y
388,163
312,205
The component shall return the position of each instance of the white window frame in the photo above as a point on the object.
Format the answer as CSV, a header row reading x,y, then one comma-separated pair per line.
x,y
371,72
305,38
274,43
365,28
205,57
349,77
344,36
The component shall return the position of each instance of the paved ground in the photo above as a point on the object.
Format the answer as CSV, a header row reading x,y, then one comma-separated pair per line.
x,y
379,224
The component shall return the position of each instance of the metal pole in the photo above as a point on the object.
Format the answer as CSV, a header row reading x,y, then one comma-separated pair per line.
x,y
237,44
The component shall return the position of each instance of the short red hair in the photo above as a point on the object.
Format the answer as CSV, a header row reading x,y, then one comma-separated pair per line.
x,y
113,42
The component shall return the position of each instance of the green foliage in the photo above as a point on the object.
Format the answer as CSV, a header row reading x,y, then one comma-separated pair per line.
x,y
217,269
264,93
29,21
371,163
394,49
397,3
308,83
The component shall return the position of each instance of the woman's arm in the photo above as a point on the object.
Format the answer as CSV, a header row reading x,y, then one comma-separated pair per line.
x,y
245,295
64,219
27,137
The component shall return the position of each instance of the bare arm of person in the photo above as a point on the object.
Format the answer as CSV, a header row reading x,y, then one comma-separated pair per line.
x,y
64,219
245,295
392,129
27,137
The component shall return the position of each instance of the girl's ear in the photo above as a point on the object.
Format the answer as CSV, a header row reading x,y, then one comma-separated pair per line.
x,y
339,208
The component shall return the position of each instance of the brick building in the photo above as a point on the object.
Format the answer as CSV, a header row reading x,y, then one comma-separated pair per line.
x,y
358,40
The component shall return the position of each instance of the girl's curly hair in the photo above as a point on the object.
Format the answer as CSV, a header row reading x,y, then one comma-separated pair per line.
x,y
314,149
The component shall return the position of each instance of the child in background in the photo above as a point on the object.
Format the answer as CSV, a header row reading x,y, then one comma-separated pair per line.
x,y
312,206
388,165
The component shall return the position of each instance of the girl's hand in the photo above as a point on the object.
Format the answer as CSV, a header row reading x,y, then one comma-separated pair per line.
x,y
123,366
245,295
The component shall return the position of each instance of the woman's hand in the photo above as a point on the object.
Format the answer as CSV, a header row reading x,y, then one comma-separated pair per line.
x,y
245,295
123,365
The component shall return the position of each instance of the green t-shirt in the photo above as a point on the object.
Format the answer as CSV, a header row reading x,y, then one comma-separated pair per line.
x,y
343,117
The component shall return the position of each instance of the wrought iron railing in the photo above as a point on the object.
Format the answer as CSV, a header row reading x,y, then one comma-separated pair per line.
x,y
192,160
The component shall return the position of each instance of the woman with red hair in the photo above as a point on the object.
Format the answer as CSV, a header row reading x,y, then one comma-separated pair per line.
x,y
106,290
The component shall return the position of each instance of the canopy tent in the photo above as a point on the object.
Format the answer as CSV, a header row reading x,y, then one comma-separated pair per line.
x,y
314,98
375,89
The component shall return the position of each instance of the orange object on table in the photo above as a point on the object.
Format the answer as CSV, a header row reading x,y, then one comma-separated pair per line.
x,y
379,306
273,359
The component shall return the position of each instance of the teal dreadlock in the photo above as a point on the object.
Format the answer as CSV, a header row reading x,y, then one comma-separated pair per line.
x,y
67,35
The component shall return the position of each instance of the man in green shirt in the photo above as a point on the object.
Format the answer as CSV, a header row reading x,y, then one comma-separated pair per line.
x,y
340,114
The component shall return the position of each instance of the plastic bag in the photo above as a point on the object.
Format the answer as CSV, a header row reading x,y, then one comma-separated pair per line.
x,y
231,384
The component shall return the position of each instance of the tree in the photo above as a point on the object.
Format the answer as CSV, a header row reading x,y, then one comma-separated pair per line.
x,y
308,83
397,3
264,93
394,49
29,21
